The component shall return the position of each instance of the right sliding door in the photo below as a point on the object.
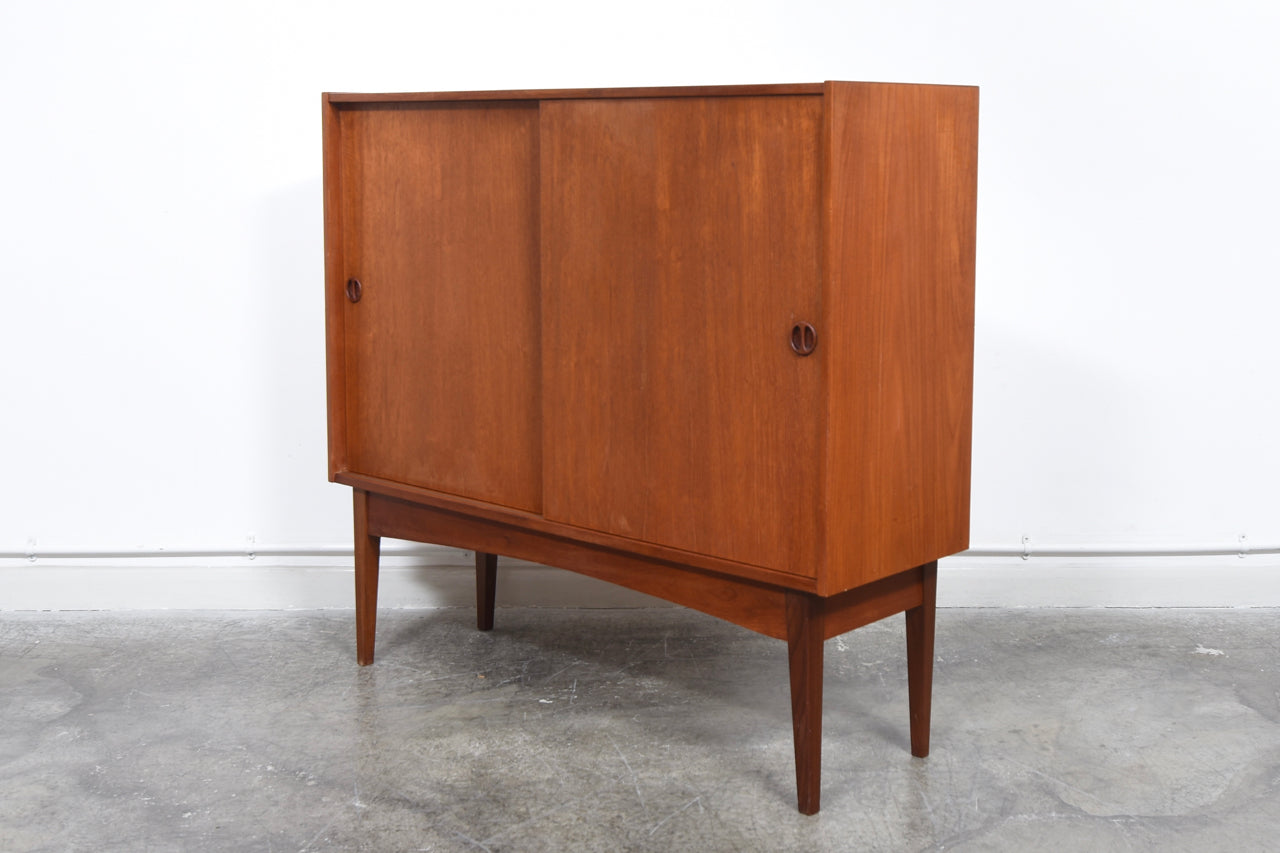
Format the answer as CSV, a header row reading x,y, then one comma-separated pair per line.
x,y
681,269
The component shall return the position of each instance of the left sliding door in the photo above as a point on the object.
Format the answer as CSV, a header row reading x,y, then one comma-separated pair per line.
x,y
440,340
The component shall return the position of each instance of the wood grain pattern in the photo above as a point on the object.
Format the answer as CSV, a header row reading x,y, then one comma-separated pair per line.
x,y
920,628
439,216
871,602
805,632
368,548
538,524
334,275
758,607
680,245
899,302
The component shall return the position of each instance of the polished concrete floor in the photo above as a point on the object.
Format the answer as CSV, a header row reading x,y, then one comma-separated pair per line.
x,y
657,729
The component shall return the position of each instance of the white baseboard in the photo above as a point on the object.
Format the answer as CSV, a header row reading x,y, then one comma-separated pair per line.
x,y
1111,581
431,577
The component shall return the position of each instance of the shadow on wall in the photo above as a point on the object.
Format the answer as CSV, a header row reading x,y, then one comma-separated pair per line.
x,y
294,501
1062,446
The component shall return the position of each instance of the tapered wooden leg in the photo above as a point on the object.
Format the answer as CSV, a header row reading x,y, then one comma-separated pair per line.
x,y
368,549
920,659
486,589
804,649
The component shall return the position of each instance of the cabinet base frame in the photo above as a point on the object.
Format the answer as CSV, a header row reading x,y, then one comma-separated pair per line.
x,y
805,620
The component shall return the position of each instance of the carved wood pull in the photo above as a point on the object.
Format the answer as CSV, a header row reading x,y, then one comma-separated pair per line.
x,y
354,289
803,338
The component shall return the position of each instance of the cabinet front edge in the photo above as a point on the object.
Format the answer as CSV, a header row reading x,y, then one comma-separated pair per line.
x,y
595,539
567,94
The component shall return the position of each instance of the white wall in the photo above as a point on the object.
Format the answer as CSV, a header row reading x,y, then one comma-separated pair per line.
x,y
161,354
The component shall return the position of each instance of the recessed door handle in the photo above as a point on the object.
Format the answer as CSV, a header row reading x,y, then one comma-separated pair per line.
x,y
354,289
803,338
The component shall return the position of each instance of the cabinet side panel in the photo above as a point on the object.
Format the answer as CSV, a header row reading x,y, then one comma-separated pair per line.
x,y
440,226
902,164
681,246
335,351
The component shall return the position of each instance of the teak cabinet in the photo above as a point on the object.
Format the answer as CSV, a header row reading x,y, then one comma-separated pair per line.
x,y
714,344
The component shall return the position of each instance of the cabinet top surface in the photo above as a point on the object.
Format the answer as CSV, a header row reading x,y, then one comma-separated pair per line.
x,y
562,94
